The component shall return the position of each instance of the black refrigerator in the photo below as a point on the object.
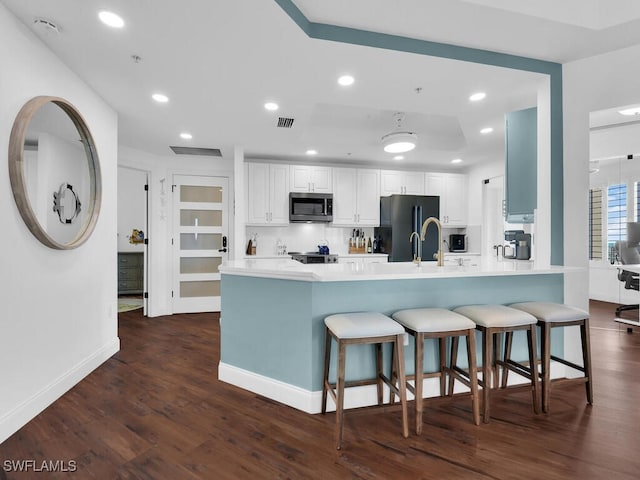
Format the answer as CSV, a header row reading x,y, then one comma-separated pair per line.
x,y
400,215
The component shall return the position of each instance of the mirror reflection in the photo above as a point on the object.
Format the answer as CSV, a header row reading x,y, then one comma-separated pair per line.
x,y
54,172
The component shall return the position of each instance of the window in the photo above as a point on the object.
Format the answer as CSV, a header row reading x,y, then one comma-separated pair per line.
x,y
595,224
616,216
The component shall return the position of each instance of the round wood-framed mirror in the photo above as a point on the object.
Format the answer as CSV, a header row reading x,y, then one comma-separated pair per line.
x,y
55,172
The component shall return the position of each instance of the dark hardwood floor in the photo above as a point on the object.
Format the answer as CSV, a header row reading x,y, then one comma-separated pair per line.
x,y
157,411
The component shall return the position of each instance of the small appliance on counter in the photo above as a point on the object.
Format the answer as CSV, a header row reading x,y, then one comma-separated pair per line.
x,y
457,243
520,244
313,257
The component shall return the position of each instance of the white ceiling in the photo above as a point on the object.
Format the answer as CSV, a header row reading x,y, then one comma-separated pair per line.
x,y
220,61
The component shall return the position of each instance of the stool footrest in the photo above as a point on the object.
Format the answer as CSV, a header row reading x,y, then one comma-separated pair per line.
x,y
567,363
516,367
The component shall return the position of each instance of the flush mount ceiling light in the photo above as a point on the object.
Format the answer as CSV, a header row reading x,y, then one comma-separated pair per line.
x,y
111,19
160,98
476,97
630,111
186,136
346,80
312,152
271,106
399,141
486,130
456,160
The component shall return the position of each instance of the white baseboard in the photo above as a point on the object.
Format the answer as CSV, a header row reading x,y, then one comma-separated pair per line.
x,y
311,401
20,415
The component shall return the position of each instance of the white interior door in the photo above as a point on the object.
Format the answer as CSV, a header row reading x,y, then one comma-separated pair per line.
x,y
200,242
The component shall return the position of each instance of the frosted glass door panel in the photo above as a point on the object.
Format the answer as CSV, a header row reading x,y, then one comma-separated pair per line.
x,y
193,193
200,289
199,264
202,241
201,218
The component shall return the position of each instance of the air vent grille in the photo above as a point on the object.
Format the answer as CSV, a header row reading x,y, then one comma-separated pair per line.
x,y
207,152
284,122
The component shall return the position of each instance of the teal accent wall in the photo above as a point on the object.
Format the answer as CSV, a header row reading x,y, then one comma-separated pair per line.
x,y
434,49
275,328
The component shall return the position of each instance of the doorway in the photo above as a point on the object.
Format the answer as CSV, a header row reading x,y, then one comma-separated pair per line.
x,y
133,226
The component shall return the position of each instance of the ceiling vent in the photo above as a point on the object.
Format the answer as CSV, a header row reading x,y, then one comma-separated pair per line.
x,y
207,152
46,26
284,122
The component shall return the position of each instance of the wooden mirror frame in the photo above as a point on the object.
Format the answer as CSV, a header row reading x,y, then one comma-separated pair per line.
x,y
17,176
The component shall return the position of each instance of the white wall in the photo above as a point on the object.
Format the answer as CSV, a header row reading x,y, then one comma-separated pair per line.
x,y
161,171
58,319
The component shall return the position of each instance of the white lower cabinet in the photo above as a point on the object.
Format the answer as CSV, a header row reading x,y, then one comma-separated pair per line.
x,y
356,197
452,190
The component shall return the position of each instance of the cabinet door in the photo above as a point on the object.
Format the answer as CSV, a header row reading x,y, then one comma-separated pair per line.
x,y
390,183
456,200
321,181
368,197
344,196
279,194
413,183
300,178
257,193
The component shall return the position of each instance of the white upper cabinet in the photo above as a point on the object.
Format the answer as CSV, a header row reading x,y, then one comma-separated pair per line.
x,y
452,190
395,182
267,194
307,178
356,197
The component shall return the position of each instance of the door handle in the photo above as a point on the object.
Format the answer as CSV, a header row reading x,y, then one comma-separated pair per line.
x,y
224,244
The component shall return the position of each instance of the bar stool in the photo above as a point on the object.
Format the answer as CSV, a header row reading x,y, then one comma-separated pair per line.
x,y
440,323
492,321
357,329
551,315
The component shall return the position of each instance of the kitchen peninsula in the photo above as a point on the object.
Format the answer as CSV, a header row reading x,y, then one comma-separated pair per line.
x,y
272,329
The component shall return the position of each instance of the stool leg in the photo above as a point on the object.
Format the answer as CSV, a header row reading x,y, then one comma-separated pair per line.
x,y
340,393
586,357
486,371
327,357
473,374
533,363
497,337
508,342
545,353
402,383
379,381
453,362
442,344
419,369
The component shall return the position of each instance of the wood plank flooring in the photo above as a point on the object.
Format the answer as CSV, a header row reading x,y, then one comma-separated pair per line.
x,y
157,411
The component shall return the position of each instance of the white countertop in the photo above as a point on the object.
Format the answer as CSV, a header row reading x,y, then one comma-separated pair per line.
x,y
287,269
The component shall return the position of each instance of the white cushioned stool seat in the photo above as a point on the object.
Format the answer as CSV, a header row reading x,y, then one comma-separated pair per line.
x,y
362,324
551,312
496,315
432,320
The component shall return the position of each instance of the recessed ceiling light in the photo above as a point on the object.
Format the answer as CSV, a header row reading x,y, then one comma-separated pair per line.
x,y
630,111
456,160
271,106
476,97
312,152
486,130
160,98
186,136
111,19
346,80
399,157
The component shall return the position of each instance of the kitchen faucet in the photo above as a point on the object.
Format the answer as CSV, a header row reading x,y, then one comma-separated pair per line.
x,y
417,259
439,256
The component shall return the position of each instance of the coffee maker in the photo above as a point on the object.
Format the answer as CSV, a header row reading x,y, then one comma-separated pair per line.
x,y
520,244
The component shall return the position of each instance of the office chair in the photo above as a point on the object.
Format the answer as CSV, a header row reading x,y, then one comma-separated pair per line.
x,y
628,254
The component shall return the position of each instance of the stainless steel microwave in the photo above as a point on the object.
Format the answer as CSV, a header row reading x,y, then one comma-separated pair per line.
x,y
310,207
